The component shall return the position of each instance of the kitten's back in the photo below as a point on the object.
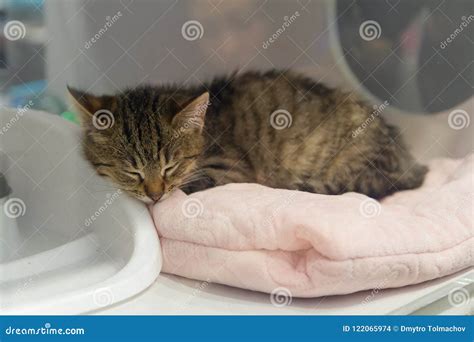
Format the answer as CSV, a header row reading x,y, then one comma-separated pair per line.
x,y
285,130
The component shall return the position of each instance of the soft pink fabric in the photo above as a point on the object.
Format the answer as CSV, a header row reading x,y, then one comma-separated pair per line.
x,y
258,238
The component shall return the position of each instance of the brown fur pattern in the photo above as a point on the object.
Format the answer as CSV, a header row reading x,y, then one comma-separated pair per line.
x,y
278,129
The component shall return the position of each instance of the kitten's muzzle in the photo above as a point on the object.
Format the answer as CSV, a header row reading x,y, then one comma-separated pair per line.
x,y
154,190
155,196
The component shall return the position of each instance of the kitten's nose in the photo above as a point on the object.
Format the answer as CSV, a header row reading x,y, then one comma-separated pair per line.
x,y
155,196
154,190
154,186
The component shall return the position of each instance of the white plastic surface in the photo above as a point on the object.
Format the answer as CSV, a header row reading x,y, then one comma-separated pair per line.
x,y
59,261
172,295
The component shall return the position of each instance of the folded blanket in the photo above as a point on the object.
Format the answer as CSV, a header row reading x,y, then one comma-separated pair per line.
x,y
258,238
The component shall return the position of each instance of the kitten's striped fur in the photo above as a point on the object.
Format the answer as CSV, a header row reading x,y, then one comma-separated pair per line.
x,y
218,133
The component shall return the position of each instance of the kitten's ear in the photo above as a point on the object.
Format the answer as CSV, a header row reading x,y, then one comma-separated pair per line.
x,y
191,118
88,104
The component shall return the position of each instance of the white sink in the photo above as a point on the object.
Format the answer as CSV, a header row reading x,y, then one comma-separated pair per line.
x,y
53,258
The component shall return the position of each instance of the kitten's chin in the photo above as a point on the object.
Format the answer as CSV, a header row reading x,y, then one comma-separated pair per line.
x,y
147,200
150,202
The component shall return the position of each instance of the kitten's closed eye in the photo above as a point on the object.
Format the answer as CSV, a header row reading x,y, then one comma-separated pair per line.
x,y
169,169
136,175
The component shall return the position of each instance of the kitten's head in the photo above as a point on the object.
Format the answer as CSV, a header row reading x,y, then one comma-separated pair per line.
x,y
145,142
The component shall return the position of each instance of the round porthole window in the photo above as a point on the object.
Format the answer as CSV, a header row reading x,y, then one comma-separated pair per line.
x,y
417,55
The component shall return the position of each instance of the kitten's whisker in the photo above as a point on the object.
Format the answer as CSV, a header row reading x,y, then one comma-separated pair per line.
x,y
191,180
195,174
186,183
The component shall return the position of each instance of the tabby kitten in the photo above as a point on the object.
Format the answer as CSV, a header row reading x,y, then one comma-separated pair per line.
x,y
279,129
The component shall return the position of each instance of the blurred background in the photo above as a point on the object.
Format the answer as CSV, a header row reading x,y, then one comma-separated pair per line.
x,y
416,55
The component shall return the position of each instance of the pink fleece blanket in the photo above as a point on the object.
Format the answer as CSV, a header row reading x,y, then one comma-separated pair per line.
x,y
258,238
